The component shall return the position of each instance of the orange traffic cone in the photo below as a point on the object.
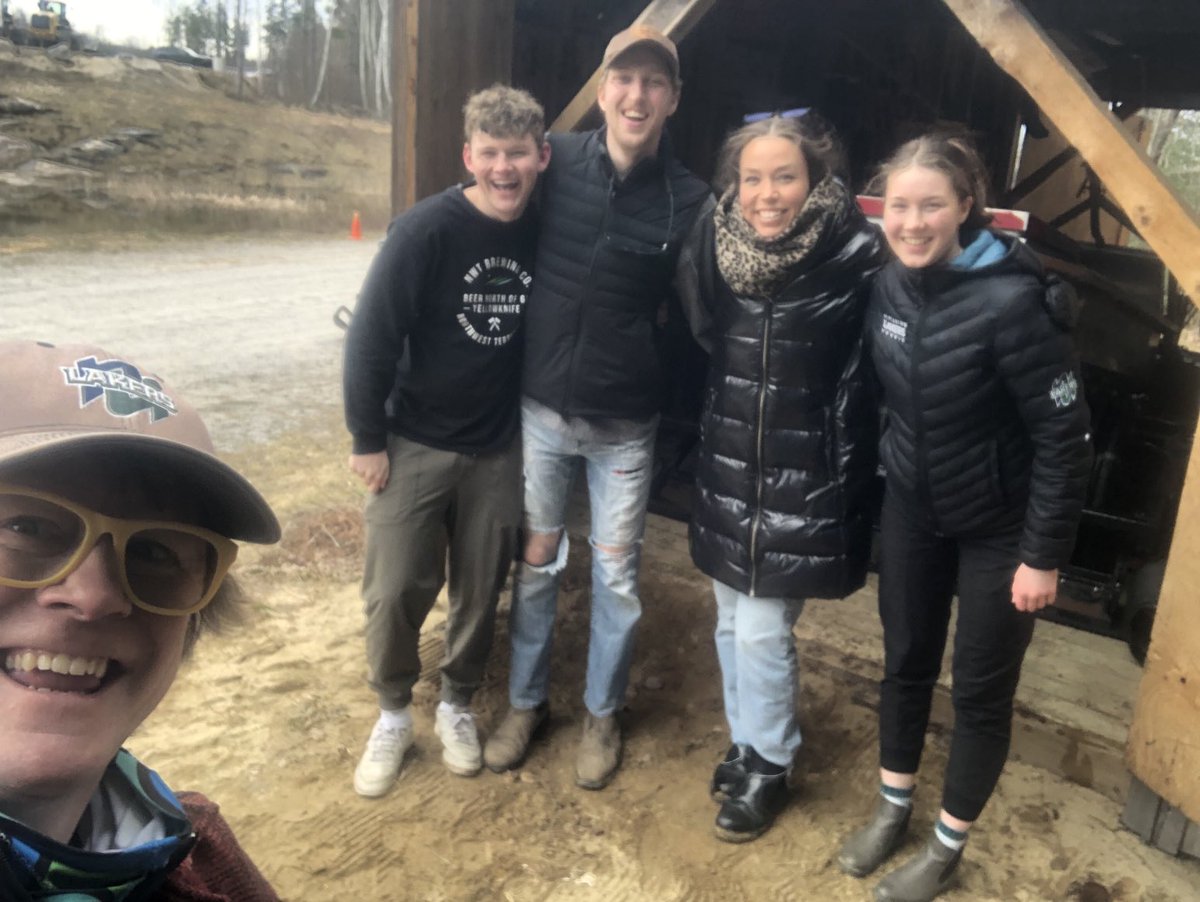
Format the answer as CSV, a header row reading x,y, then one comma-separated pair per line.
x,y
355,227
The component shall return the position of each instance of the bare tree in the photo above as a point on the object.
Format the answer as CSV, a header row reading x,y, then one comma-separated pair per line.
x,y
324,60
366,48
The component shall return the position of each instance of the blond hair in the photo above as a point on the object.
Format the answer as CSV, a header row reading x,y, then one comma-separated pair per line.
x,y
503,111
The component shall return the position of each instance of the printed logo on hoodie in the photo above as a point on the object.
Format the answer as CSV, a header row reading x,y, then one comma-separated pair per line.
x,y
494,299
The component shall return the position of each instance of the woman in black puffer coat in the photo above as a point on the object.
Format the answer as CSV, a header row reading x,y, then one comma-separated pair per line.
x,y
787,456
987,457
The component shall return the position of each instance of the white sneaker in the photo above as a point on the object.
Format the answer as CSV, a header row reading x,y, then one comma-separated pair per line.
x,y
460,740
380,763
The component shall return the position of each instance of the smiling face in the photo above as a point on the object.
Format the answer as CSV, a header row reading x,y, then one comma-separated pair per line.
x,y
773,184
82,666
637,96
921,216
505,171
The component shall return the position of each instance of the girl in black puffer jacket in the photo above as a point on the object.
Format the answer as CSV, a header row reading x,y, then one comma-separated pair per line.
x,y
987,459
783,486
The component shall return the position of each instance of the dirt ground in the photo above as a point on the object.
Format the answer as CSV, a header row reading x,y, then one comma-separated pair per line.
x,y
269,720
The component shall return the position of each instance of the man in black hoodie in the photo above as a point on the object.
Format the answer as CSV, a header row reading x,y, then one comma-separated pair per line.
x,y
616,210
431,379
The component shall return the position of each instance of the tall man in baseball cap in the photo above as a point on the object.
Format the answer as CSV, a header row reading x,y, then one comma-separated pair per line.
x,y
117,528
617,208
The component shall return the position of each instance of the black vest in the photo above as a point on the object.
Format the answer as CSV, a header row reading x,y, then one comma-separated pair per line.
x,y
606,258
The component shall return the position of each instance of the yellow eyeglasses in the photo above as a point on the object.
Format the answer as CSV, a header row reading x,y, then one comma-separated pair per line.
x,y
165,567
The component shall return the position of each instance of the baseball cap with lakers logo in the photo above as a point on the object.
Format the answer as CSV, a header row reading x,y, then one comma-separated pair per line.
x,y
57,402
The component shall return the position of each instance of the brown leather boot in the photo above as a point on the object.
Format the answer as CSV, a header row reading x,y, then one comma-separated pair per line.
x,y
507,747
599,752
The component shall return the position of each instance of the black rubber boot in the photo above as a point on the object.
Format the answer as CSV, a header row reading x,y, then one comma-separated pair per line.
x,y
923,877
754,803
729,773
871,846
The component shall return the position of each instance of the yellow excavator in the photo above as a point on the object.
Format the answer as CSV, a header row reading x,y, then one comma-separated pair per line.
x,y
49,26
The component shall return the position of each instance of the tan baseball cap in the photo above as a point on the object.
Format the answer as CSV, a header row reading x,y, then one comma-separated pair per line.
x,y
638,35
62,401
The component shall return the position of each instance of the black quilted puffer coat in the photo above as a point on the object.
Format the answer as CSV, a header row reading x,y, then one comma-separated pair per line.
x,y
789,426
987,427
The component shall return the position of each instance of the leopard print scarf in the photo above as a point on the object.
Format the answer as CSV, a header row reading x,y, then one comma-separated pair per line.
x,y
752,265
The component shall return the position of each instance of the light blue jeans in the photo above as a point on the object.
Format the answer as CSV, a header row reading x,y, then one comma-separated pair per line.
x,y
757,653
618,457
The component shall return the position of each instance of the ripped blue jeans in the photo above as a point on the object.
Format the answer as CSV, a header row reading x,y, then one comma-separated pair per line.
x,y
618,458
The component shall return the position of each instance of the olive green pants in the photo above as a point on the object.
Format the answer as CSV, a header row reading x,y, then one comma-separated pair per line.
x,y
441,513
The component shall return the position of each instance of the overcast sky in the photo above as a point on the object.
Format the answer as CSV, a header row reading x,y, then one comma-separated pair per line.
x,y
139,22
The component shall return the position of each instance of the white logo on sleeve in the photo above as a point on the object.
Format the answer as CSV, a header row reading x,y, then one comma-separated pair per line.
x,y
894,328
1064,390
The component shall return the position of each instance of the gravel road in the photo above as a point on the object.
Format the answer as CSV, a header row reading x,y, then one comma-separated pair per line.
x,y
243,329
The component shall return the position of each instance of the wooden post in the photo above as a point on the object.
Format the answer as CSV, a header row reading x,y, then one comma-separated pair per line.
x,y
1164,740
443,51
674,18
1022,49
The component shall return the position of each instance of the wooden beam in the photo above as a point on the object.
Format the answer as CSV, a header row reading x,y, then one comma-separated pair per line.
x,y
674,18
1164,739
1022,49
444,50
1051,166
406,29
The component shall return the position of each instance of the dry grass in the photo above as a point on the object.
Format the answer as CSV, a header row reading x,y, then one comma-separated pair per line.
x,y
218,164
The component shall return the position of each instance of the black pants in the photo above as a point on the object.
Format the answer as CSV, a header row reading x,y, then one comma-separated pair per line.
x,y
917,573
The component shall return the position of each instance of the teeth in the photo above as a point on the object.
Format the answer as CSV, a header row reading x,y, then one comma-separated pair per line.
x,y
55,663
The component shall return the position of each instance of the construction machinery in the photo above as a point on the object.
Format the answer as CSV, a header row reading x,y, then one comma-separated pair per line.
x,y
49,26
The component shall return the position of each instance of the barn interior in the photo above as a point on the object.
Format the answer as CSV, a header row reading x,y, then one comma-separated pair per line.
x,y
883,71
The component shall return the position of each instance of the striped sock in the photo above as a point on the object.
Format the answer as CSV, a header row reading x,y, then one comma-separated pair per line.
x,y
901,797
951,839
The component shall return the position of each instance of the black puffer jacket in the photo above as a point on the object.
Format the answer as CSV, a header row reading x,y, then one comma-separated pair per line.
x,y
788,432
987,427
607,253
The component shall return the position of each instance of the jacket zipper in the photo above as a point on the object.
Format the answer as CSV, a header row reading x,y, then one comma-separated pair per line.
x,y
762,404
569,388
924,493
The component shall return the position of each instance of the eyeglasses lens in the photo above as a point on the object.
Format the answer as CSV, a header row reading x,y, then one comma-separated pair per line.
x,y
164,567
36,537
169,569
